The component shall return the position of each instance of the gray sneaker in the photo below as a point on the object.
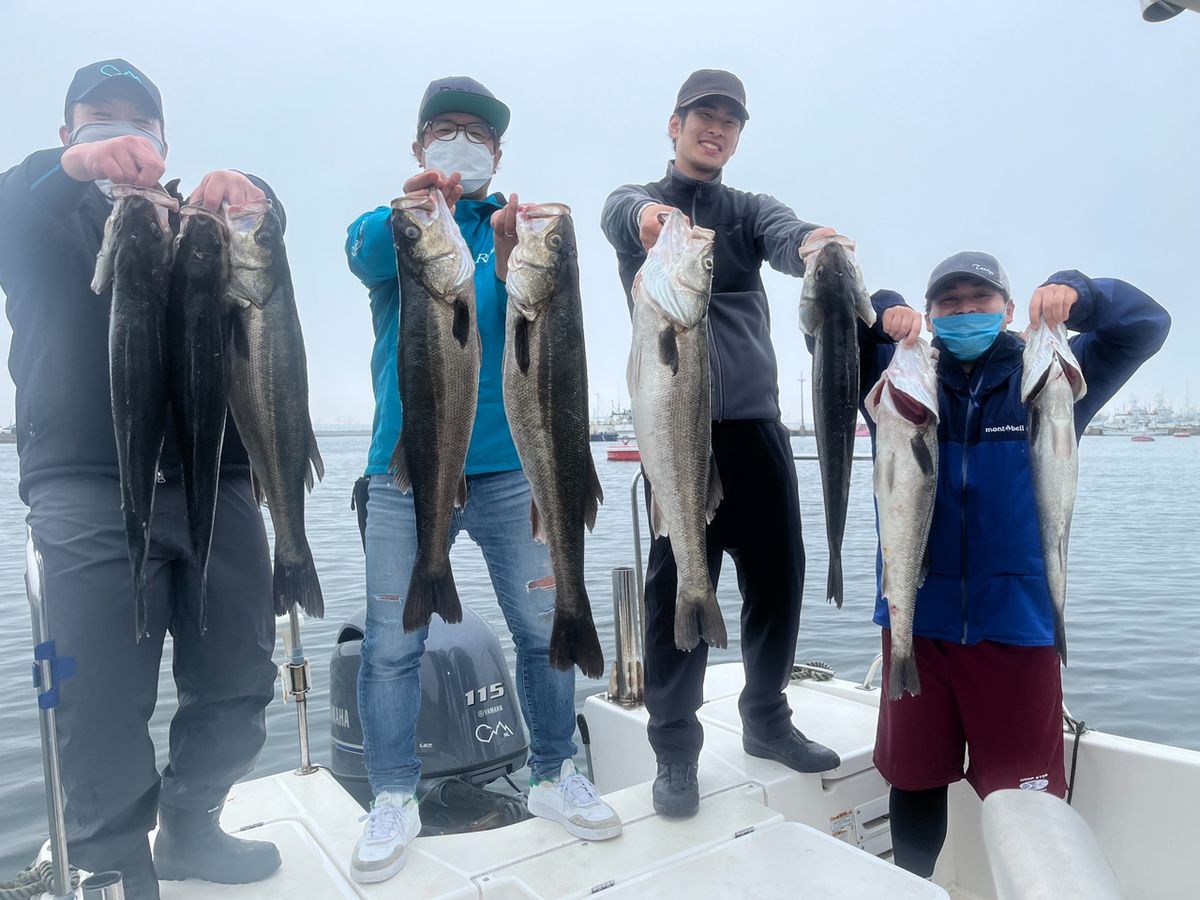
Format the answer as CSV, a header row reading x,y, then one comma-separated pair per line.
x,y
392,823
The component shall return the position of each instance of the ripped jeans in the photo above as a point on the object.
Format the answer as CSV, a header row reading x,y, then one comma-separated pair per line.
x,y
496,517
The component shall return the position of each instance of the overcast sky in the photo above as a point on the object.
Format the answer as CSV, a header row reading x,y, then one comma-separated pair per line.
x,y
1052,133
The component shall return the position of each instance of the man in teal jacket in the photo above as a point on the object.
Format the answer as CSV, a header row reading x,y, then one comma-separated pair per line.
x,y
458,135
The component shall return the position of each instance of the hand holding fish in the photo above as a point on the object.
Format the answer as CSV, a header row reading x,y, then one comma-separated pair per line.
x,y
650,223
1053,303
504,230
121,160
224,186
449,185
903,324
819,237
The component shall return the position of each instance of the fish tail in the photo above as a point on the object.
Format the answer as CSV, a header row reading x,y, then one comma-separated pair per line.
x,y
298,585
574,641
431,590
698,617
903,676
833,586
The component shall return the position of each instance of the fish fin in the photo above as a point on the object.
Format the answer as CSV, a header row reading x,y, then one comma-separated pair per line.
x,y
716,491
399,467
462,493
1060,635
668,349
593,497
314,458
903,676
924,573
658,527
833,586
698,617
921,454
521,344
573,640
260,496
462,322
430,592
536,526
298,586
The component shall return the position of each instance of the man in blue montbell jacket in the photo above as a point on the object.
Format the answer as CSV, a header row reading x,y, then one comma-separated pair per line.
x,y
458,135
983,629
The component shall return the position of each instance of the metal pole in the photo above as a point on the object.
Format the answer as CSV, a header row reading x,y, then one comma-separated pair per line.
x,y
104,886
295,675
48,671
803,429
626,684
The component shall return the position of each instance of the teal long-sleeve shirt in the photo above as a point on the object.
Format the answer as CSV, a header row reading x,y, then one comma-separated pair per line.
x,y
372,259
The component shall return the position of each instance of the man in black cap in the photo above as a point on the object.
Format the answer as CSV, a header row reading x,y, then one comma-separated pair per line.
x,y
758,521
53,207
459,126
984,622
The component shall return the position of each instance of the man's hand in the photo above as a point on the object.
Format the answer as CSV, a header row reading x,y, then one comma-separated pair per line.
x,y
122,160
431,178
1052,303
504,230
650,223
819,237
902,324
224,186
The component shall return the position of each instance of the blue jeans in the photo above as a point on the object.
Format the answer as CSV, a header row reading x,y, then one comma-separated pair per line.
x,y
496,517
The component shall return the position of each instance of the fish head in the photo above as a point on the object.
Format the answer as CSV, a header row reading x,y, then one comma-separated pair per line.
x,y
1046,348
255,239
545,239
203,242
139,224
677,274
429,246
907,388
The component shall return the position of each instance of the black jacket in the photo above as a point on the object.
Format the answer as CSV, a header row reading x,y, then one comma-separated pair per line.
x,y
51,227
750,229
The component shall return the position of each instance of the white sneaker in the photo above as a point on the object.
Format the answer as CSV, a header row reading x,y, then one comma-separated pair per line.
x,y
392,823
572,801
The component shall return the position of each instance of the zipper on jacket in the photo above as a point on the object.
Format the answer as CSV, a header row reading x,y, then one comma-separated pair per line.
x,y
972,406
718,413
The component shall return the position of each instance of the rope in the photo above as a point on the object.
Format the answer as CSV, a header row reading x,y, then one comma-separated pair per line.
x,y
1077,727
813,670
36,880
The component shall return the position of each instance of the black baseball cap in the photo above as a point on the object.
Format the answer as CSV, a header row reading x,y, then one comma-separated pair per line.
x,y
458,93
106,71
968,264
713,83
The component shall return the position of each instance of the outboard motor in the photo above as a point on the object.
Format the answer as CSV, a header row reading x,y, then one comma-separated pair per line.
x,y
469,725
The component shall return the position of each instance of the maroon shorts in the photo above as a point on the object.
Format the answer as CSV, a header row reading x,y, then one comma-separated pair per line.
x,y
1000,702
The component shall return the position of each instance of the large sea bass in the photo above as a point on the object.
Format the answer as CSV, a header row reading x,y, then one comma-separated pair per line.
x,y
438,361
904,405
135,258
832,298
269,394
545,397
669,387
198,324
1051,383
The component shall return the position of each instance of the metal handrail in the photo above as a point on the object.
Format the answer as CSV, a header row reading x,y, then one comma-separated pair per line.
x,y
870,676
295,676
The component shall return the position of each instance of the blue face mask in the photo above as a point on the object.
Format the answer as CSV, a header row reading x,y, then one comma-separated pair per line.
x,y
967,336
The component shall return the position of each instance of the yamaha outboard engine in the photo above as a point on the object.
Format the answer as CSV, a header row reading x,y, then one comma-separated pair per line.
x,y
469,725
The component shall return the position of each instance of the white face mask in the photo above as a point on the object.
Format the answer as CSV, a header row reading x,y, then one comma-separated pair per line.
x,y
103,131
473,161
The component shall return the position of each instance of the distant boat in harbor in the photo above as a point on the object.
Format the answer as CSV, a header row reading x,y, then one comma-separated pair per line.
x,y
1141,438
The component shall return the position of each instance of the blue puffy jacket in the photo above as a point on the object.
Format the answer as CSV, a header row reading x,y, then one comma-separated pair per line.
x,y
372,258
986,580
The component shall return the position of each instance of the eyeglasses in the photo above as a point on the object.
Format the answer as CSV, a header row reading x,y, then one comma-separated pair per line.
x,y
476,132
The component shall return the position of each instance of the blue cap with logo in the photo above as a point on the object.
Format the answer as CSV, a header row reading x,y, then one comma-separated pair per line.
x,y
459,93
968,264
114,72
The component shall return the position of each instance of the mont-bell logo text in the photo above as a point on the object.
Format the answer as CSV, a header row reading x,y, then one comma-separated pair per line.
x,y
996,429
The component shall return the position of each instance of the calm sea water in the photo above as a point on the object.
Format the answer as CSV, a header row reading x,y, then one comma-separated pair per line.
x,y
1134,611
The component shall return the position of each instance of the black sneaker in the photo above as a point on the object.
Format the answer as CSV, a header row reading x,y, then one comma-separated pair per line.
x,y
190,844
795,751
676,791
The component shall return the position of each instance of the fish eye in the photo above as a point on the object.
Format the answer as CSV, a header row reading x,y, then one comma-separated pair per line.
x,y
554,242
412,232
708,263
264,236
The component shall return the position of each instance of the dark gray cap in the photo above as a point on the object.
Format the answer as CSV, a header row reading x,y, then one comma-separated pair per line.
x,y
968,264
114,72
713,83
458,93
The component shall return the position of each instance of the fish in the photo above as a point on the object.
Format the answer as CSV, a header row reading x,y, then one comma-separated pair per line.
x,y
135,259
546,401
668,380
832,298
268,394
199,333
438,358
904,405
1051,383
